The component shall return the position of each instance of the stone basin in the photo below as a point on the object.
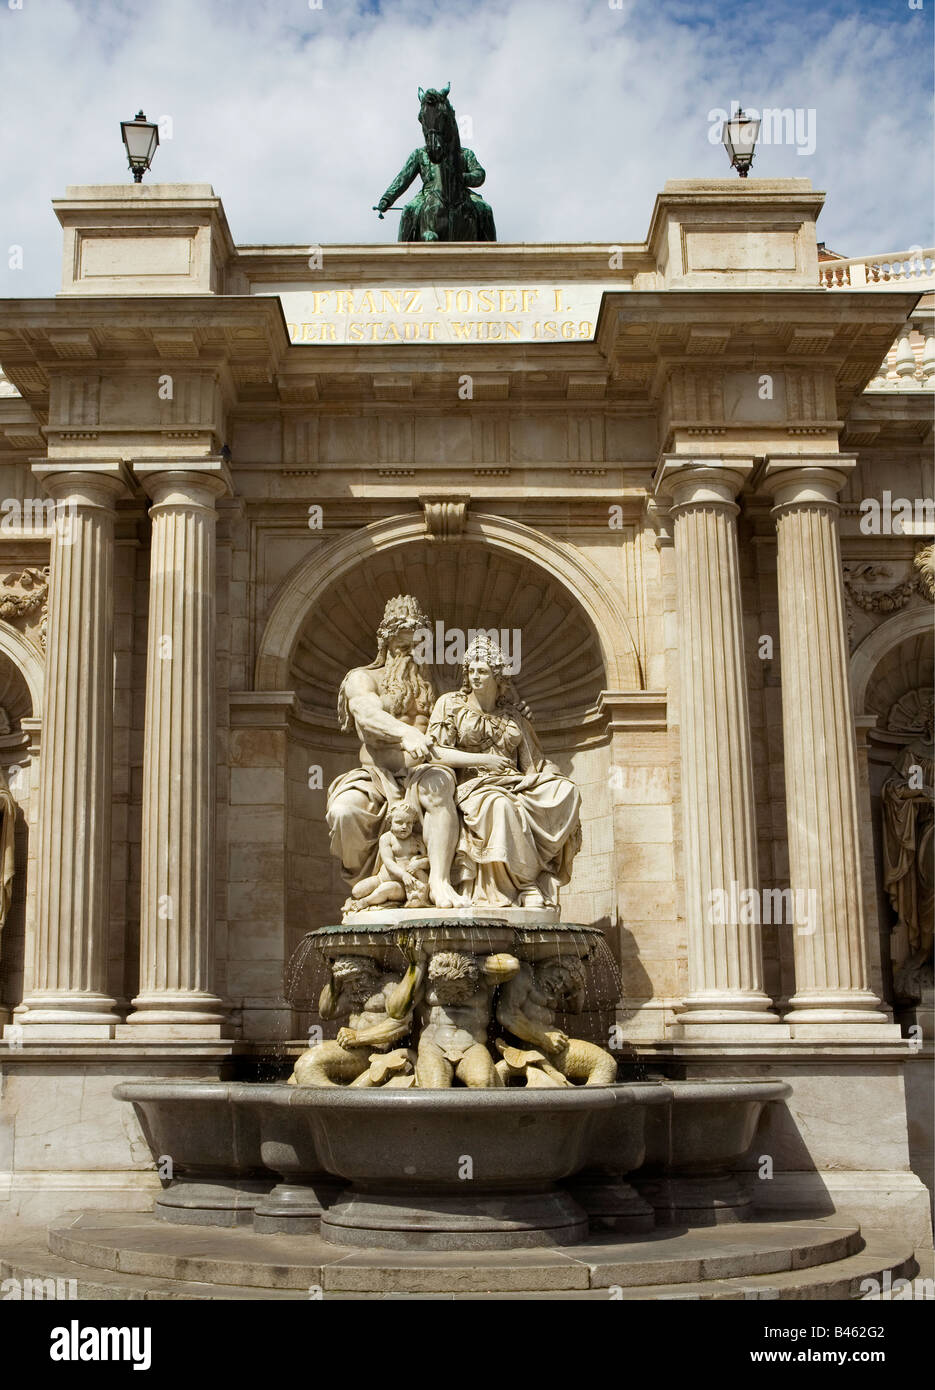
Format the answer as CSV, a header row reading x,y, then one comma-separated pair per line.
x,y
217,1172
692,1144
618,1147
455,1169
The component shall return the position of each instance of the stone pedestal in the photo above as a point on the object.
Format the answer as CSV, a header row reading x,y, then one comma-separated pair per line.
x,y
724,957
832,983
178,833
66,993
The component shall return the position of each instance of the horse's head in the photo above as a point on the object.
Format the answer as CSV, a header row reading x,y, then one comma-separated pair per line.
x,y
439,126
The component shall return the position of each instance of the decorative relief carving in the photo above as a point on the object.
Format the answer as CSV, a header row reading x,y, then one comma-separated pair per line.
x,y
857,574
24,597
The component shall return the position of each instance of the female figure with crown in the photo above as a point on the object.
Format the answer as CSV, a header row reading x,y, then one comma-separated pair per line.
x,y
520,826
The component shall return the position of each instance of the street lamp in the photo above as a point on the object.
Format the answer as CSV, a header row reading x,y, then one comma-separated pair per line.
x,y
141,138
740,134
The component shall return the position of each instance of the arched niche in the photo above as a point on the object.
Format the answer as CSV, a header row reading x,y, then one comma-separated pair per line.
x,y
24,657
891,671
902,628
498,573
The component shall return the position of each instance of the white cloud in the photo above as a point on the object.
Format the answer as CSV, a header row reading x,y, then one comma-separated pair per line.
x,y
300,117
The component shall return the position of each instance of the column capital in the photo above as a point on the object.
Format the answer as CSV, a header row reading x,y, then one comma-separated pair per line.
x,y
184,482
803,482
86,483
680,481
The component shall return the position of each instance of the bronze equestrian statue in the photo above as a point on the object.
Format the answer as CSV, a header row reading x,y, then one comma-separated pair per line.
x,y
446,209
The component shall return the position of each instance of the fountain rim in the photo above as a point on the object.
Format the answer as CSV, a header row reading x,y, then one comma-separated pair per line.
x,y
458,1098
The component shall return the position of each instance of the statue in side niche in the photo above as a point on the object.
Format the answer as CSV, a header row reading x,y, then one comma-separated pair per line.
x,y
527,1007
363,1053
908,801
7,833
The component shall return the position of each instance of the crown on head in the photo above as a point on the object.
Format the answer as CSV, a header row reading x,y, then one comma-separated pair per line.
x,y
401,612
486,649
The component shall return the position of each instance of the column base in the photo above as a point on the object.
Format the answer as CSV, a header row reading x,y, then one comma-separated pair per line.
x,y
728,1008
183,1013
64,1014
836,1006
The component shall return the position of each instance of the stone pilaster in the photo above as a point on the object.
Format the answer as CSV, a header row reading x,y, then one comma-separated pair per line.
x,y
66,990
725,968
178,831
819,749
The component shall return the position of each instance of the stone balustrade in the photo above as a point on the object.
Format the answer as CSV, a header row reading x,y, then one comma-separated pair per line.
x,y
914,269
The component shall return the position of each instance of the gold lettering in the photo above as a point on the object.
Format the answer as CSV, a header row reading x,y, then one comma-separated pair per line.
x,y
430,330
367,305
485,301
317,297
528,297
413,302
512,330
392,331
461,330
390,301
293,330
345,301
558,301
463,300
508,301
355,332
309,330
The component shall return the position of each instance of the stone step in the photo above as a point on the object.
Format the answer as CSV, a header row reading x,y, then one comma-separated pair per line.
x,y
839,1279
135,1244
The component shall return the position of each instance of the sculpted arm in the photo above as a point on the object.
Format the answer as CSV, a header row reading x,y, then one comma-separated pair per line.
x,y
401,1000
401,182
473,173
329,1001
371,718
521,1016
388,1030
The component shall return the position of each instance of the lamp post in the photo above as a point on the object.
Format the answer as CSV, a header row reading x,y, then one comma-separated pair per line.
x,y
140,137
740,134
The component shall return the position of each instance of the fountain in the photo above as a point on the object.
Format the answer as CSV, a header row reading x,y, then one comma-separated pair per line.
x,y
466,1101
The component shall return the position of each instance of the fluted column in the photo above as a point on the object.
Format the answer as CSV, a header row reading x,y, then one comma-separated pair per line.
x,y
178,832
66,993
819,748
725,968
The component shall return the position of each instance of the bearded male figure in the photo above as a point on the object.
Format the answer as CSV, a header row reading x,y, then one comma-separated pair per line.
x,y
389,703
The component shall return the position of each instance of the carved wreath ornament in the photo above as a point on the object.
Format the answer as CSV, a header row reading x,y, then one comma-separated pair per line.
x,y
898,595
25,593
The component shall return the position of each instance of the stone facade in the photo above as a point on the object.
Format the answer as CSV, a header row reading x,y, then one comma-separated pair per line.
x,y
649,458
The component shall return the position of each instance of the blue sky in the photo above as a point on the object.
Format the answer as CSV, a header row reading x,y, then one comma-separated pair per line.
x,y
579,110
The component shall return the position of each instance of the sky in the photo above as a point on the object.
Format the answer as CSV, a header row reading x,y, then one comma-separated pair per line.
x,y
300,112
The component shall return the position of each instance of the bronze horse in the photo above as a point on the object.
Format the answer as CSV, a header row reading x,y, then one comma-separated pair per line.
x,y
446,209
